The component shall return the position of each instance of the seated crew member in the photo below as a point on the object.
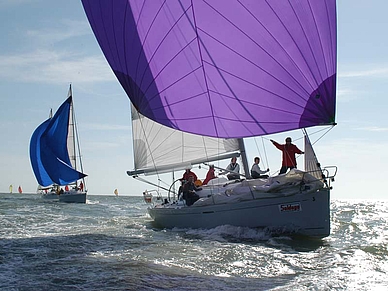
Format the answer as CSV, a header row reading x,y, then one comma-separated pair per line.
x,y
233,170
256,172
189,190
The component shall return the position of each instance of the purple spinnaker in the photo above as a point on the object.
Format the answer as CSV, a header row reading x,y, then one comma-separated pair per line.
x,y
219,68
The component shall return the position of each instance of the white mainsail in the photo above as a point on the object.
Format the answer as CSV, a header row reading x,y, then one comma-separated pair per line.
x,y
160,149
71,147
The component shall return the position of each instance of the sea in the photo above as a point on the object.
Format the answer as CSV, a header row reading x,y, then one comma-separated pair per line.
x,y
110,243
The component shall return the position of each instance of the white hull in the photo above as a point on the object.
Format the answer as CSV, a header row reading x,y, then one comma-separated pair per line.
x,y
73,197
281,204
304,214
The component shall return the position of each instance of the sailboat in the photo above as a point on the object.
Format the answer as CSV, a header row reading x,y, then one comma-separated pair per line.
x,y
56,158
116,192
204,75
20,190
10,188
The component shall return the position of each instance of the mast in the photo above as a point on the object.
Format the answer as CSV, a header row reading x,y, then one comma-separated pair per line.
x,y
244,159
75,141
72,130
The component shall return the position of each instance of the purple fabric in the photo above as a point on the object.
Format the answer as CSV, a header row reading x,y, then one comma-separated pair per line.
x,y
223,68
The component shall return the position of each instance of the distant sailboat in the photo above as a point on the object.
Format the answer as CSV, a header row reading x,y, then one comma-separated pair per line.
x,y
10,188
55,155
20,190
116,192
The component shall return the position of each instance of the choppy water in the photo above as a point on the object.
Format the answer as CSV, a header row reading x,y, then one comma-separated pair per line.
x,y
110,244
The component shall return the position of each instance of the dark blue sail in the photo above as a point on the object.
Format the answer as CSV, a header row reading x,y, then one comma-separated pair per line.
x,y
48,150
41,175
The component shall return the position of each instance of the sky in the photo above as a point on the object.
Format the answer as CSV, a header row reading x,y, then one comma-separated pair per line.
x,y
45,45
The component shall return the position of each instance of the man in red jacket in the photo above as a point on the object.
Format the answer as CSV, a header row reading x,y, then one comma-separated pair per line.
x,y
289,150
187,174
210,175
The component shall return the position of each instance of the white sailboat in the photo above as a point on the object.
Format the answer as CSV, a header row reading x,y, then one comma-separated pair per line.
x,y
56,158
203,75
295,202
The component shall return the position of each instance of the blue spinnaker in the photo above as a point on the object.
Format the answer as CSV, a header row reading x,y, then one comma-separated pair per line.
x,y
48,150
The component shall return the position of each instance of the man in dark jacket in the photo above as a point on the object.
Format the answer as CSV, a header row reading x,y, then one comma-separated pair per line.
x,y
189,190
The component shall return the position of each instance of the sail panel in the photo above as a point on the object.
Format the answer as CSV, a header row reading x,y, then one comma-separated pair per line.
x,y
158,148
54,139
226,69
35,157
311,164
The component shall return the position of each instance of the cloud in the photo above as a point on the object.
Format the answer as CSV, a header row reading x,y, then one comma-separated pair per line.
x,y
6,3
89,147
66,29
358,84
347,95
51,56
97,149
373,128
109,127
47,66
377,72
348,148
